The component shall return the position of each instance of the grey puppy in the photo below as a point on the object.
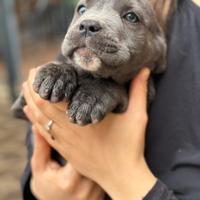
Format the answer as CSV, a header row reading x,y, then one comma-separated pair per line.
x,y
107,44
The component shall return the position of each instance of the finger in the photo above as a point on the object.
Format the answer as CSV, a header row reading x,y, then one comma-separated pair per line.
x,y
138,92
41,153
40,112
36,116
37,104
54,139
62,106
29,114
49,137
39,118
49,109
33,111
31,75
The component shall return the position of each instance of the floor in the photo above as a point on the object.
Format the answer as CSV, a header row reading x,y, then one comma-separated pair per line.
x,y
12,131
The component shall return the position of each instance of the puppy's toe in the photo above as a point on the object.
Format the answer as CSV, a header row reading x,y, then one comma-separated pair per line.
x,y
46,87
80,113
83,115
58,91
72,110
71,84
37,83
98,113
69,89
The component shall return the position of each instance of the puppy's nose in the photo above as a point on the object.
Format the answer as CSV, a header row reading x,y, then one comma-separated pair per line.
x,y
89,27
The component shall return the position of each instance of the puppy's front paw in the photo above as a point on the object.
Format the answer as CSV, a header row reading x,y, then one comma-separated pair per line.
x,y
54,82
84,110
90,105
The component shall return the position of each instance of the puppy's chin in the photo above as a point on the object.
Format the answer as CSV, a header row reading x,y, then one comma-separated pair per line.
x,y
87,59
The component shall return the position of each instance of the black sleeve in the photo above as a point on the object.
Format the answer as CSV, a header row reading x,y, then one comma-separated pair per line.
x,y
160,192
173,135
26,177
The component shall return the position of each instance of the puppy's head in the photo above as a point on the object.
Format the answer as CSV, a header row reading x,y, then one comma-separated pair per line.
x,y
115,38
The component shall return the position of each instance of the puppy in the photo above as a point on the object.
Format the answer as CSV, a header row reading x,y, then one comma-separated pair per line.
x,y
107,44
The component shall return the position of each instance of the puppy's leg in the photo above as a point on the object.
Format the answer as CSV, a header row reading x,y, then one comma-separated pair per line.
x,y
55,82
94,99
17,107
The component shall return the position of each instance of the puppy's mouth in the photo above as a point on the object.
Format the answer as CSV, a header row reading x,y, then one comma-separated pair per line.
x,y
87,59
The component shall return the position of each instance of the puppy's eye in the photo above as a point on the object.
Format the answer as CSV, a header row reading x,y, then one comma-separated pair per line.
x,y
132,17
81,9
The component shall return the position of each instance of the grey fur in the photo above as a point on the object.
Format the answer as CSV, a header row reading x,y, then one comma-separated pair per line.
x,y
103,52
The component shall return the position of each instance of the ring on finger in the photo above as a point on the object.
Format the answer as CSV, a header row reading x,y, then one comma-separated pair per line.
x,y
48,128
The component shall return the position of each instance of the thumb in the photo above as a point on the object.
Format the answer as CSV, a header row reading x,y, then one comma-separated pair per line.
x,y
138,92
41,153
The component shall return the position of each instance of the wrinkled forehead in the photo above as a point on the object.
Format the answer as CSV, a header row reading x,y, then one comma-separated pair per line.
x,y
109,3
114,3
141,6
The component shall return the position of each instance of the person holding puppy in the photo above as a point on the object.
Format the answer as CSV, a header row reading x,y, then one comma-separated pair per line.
x,y
124,155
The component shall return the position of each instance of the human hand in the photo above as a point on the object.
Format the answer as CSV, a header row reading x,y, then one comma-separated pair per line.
x,y
51,181
112,152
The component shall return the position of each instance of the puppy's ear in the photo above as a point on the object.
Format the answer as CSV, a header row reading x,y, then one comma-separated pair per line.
x,y
17,108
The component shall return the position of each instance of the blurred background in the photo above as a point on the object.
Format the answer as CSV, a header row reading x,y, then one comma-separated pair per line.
x,y
31,32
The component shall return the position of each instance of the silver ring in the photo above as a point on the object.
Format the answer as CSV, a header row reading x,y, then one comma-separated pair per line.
x,y
48,128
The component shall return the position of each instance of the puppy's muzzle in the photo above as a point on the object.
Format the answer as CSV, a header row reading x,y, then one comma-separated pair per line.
x,y
89,28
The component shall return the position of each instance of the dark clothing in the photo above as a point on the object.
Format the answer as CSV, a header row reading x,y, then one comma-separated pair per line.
x,y
173,135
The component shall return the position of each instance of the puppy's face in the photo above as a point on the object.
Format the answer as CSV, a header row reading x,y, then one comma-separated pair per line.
x,y
114,37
